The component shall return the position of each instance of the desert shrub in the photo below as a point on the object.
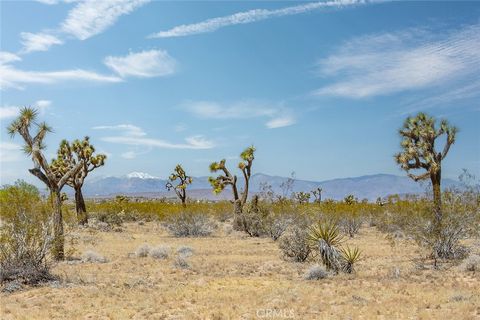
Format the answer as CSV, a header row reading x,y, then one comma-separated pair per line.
x,y
110,218
472,263
351,225
25,235
142,251
294,244
93,257
159,252
276,225
315,272
185,251
181,262
253,219
190,224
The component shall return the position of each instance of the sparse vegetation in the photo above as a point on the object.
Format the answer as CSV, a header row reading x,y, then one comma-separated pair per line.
x,y
190,224
25,235
34,146
315,272
159,252
93,257
294,244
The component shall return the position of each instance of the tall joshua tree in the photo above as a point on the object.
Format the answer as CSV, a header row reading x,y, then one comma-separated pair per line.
x,y
68,155
419,134
317,193
181,187
227,179
42,170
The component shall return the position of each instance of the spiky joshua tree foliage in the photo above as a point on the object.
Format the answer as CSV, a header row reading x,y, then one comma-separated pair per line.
x,y
317,193
34,147
227,179
419,134
68,156
183,180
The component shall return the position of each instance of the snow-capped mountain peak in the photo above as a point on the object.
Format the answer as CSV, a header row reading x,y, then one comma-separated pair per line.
x,y
140,175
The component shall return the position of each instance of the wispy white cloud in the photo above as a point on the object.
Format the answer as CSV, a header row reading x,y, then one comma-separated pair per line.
x,y
144,64
8,111
11,77
194,142
38,41
248,17
134,136
89,18
52,2
277,115
152,63
85,20
125,129
393,62
8,57
281,121
10,152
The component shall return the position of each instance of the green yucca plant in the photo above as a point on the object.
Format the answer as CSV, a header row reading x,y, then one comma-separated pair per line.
x,y
325,237
350,257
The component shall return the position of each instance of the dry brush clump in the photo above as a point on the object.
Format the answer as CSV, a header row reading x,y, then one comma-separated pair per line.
x,y
294,244
91,256
159,252
315,272
25,235
190,224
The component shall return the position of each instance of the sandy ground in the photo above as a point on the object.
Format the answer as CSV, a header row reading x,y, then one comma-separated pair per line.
x,y
235,277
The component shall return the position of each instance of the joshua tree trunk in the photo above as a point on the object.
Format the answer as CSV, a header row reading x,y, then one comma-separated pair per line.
x,y
58,245
238,215
183,198
82,216
437,197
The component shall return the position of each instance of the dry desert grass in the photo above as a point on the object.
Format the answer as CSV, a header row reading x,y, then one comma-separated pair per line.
x,y
231,276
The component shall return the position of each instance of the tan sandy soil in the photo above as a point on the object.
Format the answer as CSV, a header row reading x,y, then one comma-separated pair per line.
x,y
235,277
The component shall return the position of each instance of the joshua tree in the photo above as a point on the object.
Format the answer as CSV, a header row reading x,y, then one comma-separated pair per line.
x,y
183,182
42,170
419,134
220,182
67,157
350,199
301,197
317,193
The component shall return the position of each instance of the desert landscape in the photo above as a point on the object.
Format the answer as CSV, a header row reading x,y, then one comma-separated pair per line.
x,y
239,159
232,276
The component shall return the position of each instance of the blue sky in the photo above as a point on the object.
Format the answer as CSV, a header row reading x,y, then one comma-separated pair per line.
x,y
320,88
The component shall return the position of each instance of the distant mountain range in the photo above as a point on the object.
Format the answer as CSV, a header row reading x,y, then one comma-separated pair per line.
x,y
369,187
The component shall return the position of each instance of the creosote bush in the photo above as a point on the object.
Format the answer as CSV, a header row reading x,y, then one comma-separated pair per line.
x,y
25,235
472,263
142,251
294,244
315,272
159,252
190,224
181,262
93,257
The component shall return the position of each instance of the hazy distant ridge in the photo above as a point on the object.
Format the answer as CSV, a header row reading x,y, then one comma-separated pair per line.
x,y
370,187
